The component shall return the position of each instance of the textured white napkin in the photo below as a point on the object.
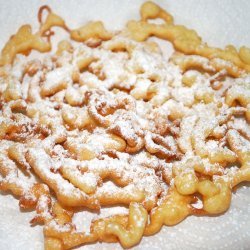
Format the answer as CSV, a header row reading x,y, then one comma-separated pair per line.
x,y
219,22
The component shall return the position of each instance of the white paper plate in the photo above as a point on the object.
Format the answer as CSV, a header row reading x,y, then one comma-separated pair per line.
x,y
219,22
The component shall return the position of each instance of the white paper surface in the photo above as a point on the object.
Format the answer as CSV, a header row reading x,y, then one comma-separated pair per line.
x,y
219,22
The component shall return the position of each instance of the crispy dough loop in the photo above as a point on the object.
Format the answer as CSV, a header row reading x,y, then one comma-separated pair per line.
x,y
88,183
9,170
241,147
163,147
16,152
41,11
212,149
150,10
51,20
77,118
132,133
41,163
201,63
22,43
30,194
183,39
240,93
124,195
84,149
94,30
173,209
216,196
112,113
125,176
185,174
60,233
99,226
101,105
133,232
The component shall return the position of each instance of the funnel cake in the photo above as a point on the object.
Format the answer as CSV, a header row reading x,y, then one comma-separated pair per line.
x,y
107,121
